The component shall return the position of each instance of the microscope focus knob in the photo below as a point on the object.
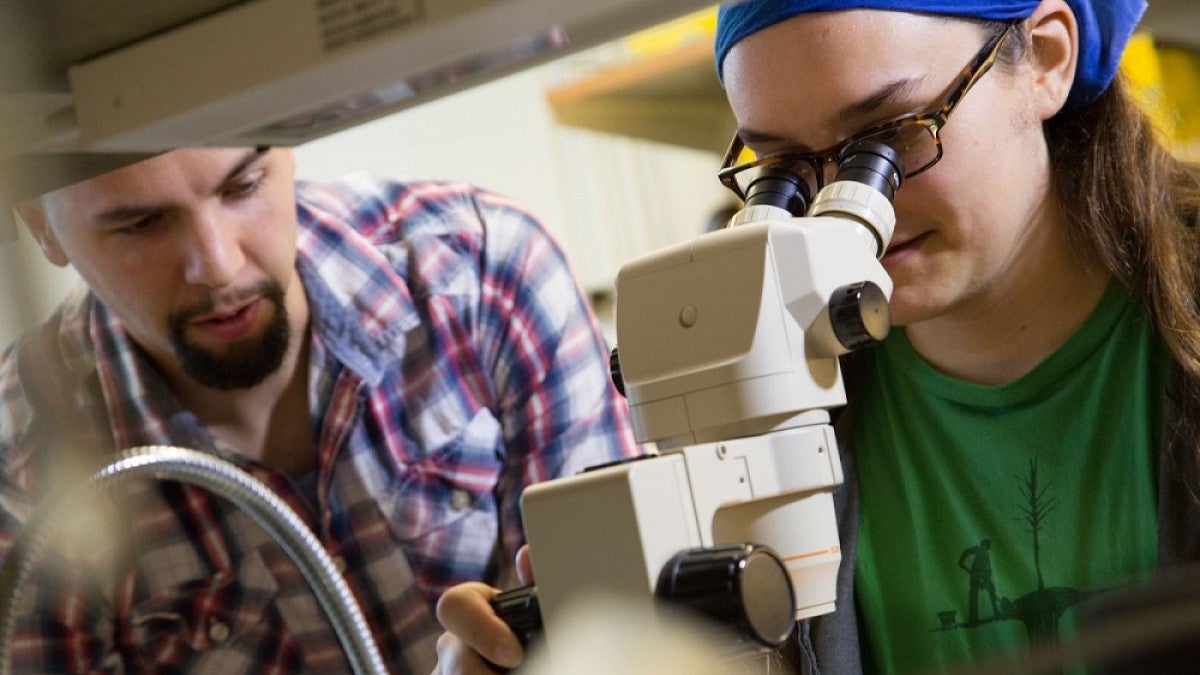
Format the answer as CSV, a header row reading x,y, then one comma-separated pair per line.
x,y
614,371
519,609
744,586
860,315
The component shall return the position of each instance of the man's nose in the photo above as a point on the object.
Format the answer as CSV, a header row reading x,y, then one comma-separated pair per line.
x,y
214,252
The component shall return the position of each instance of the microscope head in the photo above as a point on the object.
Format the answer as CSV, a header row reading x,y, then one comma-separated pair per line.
x,y
737,332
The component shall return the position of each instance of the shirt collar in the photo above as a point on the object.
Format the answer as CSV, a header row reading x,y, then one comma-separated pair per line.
x,y
359,305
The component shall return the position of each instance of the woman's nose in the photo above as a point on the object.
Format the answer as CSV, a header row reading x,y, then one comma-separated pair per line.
x,y
828,170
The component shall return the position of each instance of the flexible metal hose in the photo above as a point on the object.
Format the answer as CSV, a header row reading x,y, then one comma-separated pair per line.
x,y
230,482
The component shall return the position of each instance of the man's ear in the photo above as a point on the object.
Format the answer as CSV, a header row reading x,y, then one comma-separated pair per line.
x,y
33,213
1054,53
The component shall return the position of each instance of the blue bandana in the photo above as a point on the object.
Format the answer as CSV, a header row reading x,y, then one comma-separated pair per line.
x,y
1104,27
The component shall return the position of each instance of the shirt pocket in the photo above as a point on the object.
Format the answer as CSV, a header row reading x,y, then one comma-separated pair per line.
x,y
203,620
451,487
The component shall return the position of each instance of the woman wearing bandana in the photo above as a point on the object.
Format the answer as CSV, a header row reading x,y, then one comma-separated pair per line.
x,y
1024,442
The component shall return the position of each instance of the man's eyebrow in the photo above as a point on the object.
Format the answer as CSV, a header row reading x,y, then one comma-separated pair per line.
x,y
864,108
127,213
249,158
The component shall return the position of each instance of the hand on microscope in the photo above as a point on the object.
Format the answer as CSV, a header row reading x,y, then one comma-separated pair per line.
x,y
474,633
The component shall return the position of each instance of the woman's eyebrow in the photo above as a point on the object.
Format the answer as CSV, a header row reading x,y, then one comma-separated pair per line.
x,y
755,137
864,109
869,105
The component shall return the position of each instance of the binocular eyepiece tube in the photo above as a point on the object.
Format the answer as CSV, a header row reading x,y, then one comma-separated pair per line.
x,y
871,163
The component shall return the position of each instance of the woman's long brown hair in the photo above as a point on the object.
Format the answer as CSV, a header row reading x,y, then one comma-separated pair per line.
x,y
1133,206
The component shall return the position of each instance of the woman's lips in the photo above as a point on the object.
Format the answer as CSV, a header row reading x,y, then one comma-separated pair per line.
x,y
897,253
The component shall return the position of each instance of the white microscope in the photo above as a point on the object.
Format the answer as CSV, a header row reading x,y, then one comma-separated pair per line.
x,y
729,348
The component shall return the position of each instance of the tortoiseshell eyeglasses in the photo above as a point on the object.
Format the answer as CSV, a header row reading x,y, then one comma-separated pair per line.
x,y
915,136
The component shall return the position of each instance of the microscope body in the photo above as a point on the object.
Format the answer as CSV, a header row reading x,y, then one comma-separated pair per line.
x,y
729,363
729,347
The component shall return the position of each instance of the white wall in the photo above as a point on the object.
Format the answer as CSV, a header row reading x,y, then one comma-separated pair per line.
x,y
30,287
606,198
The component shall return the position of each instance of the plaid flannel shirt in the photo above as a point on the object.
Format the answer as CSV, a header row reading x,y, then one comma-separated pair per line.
x,y
453,362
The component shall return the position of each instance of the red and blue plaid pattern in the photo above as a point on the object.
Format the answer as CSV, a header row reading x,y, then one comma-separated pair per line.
x,y
453,362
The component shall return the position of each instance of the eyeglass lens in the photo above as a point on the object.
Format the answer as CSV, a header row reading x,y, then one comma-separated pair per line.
x,y
915,143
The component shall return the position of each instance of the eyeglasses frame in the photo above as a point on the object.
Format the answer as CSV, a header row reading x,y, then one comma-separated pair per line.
x,y
934,118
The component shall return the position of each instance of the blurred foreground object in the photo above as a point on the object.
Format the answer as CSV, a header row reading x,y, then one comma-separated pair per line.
x,y
121,76
74,508
603,635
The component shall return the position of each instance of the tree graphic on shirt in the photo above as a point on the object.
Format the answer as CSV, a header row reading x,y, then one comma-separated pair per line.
x,y
1039,610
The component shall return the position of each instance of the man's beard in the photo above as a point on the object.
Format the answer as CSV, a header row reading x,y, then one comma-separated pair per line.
x,y
244,364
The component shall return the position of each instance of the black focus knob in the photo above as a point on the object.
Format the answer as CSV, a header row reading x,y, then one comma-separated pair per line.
x,y
614,371
860,315
520,610
743,586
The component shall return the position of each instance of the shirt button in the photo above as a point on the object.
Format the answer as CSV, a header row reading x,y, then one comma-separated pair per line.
x,y
218,631
459,499
339,563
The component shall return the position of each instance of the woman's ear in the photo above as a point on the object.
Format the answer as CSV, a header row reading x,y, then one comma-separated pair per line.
x,y
1054,38
33,213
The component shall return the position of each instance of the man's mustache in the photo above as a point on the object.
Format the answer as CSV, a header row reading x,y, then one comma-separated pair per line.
x,y
268,288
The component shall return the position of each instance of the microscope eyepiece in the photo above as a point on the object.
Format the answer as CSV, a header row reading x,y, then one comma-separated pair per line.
x,y
868,174
780,187
874,164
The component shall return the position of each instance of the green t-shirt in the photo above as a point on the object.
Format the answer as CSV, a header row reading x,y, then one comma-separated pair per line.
x,y
990,513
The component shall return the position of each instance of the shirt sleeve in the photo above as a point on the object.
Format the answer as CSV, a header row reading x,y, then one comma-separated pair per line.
x,y
559,410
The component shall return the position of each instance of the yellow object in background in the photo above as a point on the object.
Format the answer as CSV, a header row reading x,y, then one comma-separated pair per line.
x,y
1143,72
698,26
1165,79
1181,93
